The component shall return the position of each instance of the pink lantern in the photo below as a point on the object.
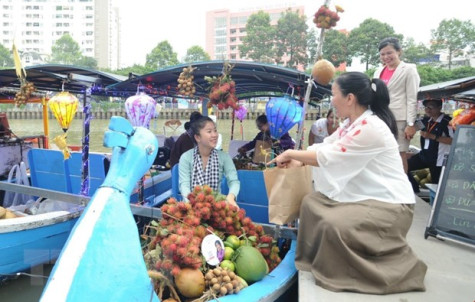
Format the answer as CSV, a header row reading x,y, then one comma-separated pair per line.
x,y
241,112
140,109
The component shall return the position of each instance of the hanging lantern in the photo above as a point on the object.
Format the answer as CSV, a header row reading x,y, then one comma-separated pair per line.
x,y
140,109
282,114
240,113
64,106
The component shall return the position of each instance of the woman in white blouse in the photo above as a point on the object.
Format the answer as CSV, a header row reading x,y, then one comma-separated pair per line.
x,y
322,128
352,231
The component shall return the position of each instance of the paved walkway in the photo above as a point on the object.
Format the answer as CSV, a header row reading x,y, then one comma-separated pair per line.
x,y
450,275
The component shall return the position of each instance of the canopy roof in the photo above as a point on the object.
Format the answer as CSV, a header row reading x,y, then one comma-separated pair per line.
x,y
51,77
252,80
455,89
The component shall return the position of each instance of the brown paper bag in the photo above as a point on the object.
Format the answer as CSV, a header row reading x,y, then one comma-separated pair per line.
x,y
285,191
260,151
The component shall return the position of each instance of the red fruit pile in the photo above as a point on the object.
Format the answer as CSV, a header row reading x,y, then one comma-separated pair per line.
x,y
326,18
222,89
269,250
183,226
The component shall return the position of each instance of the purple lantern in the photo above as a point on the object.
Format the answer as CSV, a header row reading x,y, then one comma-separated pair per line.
x,y
241,112
140,109
282,114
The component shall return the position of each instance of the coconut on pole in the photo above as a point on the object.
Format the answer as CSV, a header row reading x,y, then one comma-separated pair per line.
x,y
323,70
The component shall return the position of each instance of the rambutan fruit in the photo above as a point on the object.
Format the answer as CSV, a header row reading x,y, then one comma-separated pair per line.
x,y
183,241
196,190
246,221
181,252
166,265
175,270
265,251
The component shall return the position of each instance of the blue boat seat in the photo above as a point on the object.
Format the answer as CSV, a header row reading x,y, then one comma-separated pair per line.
x,y
97,171
48,170
254,197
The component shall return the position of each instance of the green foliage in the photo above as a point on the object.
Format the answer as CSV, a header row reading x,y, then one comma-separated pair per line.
x,y
258,43
335,48
413,53
85,61
312,47
291,39
363,41
432,75
6,58
161,56
65,51
135,69
196,54
454,36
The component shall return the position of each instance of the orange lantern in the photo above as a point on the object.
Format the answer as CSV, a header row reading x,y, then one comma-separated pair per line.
x,y
64,106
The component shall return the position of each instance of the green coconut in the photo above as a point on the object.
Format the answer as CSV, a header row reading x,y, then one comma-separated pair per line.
x,y
250,264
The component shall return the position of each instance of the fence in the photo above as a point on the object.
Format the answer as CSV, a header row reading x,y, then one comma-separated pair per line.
x,y
167,114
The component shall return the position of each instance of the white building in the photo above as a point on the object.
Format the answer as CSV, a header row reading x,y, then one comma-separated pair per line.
x,y
35,25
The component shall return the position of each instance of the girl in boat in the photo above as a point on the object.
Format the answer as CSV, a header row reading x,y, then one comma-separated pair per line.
x,y
352,232
205,165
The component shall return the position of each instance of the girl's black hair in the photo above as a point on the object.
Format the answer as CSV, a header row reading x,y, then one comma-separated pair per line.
x,y
372,93
330,111
390,41
199,124
261,119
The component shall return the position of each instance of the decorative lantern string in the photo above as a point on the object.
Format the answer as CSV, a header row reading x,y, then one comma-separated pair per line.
x,y
85,143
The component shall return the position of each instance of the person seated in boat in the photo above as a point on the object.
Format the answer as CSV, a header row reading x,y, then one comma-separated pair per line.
x,y
322,128
436,138
352,231
205,165
284,143
184,142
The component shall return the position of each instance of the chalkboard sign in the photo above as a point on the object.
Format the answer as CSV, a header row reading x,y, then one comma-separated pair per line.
x,y
453,214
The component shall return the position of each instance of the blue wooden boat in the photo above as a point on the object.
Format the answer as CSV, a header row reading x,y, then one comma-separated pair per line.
x,y
30,240
102,259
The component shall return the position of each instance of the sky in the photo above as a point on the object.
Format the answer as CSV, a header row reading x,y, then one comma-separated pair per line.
x,y
145,23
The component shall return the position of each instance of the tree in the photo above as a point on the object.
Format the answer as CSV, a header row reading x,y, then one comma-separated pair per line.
x,y
363,41
312,46
258,43
416,53
335,48
196,54
65,51
135,69
291,39
454,36
161,56
85,61
6,59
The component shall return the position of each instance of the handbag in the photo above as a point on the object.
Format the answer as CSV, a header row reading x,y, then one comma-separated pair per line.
x,y
261,149
285,190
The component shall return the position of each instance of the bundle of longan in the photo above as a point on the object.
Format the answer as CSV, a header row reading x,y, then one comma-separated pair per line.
x,y
186,86
221,282
22,96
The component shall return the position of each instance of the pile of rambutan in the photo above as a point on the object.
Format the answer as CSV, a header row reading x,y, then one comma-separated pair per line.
x,y
174,243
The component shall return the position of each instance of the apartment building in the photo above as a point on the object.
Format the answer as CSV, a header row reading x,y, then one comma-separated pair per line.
x,y
225,29
35,25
